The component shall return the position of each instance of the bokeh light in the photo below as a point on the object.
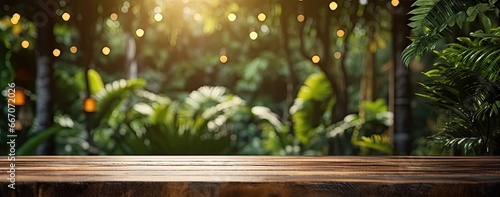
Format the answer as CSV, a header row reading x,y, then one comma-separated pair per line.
x,y
340,33
125,7
197,17
113,16
73,49
261,16
158,17
56,52
394,3
264,28
66,16
223,59
157,9
106,50
333,5
231,17
15,18
315,59
301,18
253,35
337,55
139,32
25,44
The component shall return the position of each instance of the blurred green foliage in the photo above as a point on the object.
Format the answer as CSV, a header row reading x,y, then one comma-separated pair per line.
x,y
185,100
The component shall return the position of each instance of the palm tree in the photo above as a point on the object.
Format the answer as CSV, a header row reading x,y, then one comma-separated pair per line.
x,y
465,83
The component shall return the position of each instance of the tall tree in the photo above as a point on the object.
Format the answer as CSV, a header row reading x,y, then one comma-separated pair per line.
x,y
401,92
45,43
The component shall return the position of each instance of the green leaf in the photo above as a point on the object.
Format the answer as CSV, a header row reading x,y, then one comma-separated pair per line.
x,y
95,81
111,96
30,146
486,22
434,19
380,143
312,105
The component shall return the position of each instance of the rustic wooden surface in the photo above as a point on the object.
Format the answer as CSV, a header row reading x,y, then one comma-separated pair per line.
x,y
252,176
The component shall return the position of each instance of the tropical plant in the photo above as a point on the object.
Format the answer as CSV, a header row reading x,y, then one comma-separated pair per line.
x,y
366,131
311,110
434,20
465,83
355,134
208,121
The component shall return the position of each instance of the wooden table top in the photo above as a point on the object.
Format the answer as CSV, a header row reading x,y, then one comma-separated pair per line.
x,y
272,172
254,169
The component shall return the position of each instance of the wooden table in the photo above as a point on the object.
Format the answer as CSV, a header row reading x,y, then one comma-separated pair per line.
x,y
133,176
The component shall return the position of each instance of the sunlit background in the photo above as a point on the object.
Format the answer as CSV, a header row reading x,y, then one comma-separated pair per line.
x,y
282,77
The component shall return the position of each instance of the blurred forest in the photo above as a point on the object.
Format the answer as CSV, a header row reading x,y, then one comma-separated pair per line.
x,y
281,77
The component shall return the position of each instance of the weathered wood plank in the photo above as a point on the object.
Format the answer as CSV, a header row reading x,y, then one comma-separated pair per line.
x,y
252,176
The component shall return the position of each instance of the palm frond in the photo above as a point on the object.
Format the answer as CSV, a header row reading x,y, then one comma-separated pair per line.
x,y
481,55
433,19
309,109
265,113
112,96
377,142
471,101
208,107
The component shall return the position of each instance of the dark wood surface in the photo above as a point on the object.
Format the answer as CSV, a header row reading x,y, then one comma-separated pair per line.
x,y
252,176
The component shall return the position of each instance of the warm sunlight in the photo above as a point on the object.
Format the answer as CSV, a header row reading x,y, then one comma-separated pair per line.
x,y
247,77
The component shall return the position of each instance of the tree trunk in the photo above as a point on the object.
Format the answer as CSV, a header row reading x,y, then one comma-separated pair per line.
x,y
367,84
87,30
130,58
401,86
291,80
45,81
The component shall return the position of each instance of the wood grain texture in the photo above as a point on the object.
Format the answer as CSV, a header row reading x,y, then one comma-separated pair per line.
x,y
252,176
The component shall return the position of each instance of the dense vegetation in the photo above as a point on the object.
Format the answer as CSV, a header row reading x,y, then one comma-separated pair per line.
x,y
220,77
